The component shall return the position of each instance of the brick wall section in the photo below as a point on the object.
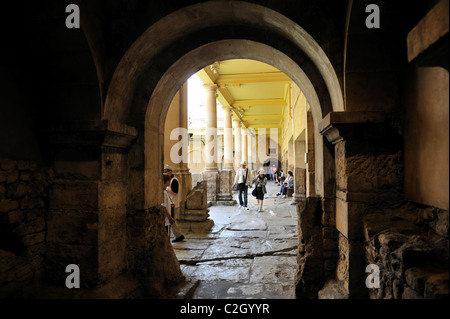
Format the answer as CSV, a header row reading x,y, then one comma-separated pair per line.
x,y
23,209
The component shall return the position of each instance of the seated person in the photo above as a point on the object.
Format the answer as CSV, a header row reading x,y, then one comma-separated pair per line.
x,y
289,183
281,177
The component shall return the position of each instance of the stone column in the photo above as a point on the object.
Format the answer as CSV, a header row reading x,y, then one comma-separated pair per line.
x,y
244,145
368,157
251,149
211,173
237,144
211,128
228,139
225,196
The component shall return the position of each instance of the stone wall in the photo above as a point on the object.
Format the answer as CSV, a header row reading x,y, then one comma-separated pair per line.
x,y
150,254
310,274
410,245
318,252
23,210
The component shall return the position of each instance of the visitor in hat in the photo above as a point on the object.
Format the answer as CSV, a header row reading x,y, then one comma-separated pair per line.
x,y
243,183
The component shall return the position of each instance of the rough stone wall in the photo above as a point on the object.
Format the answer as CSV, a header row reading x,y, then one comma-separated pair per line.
x,y
410,245
318,250
330,237
23,209
310,274
150,252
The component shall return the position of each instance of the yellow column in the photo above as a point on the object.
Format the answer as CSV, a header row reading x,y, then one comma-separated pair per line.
x,y
244,145
211,128
238,143
228,139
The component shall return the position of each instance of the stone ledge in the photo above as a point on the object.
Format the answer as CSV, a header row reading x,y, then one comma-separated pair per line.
x,y
329,126
432,28
91,133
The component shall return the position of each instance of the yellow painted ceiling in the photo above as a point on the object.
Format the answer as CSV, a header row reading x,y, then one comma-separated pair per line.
x,y
257,91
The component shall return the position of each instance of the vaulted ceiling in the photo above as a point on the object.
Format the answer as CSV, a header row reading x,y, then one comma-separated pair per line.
x,y
257,92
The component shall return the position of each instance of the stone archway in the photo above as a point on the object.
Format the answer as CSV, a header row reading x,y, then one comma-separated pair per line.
x,y
148,77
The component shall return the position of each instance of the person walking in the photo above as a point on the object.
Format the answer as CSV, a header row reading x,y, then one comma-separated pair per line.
x,y
260,182
172,192
241,180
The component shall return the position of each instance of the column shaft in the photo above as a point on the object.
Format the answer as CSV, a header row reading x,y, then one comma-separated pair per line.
x,y
228,140
244,145
211,128
238,144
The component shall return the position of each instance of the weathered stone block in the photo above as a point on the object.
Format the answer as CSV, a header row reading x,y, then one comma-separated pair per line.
x,y
26,166
112,241
15,216
112,195
310,275
33,239
197,198
76,227
2,191
74,195
7,164
3,176
34,226
198,215
225,184
212,183
11,177
26,176
16,190
30,203
36,189
7,205
300,181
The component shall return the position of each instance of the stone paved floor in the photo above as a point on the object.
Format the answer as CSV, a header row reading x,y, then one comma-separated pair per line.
x,y
247,254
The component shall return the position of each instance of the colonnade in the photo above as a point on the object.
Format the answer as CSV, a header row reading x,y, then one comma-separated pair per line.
x,y
240,145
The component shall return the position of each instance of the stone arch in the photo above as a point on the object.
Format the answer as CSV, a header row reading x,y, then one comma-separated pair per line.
x,y
180,71
190,20
148,66
154,68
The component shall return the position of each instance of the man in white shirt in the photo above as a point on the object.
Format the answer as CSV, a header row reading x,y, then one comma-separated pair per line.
x,y
172,192
243,183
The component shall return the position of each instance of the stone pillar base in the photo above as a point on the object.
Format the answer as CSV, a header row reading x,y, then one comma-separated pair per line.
x,y
195,227
231,202
195,220
212,182
225,196
185,179
196,214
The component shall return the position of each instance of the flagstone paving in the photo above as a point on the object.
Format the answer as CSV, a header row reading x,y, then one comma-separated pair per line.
x,y
247,254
